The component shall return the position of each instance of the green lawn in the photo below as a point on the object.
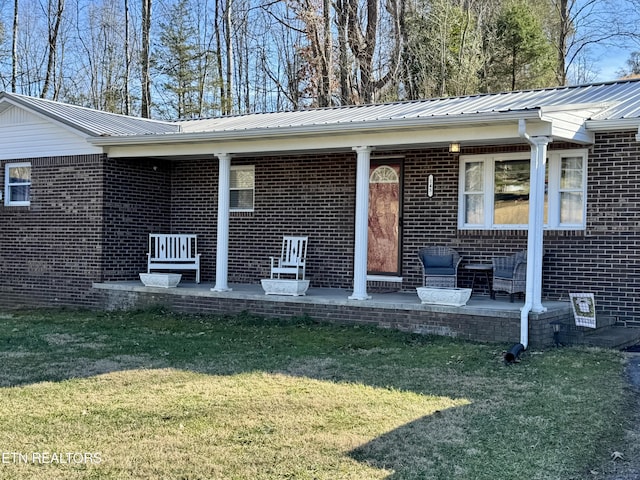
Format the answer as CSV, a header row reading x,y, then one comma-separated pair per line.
x,y
165,396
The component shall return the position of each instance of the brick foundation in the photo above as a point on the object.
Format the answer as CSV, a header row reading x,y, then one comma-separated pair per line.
x,y
467,323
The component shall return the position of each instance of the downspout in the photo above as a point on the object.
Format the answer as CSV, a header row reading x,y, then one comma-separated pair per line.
x,y
528,297
535,240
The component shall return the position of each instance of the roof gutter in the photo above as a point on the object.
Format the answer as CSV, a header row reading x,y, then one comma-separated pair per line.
x,y
612,125
459,120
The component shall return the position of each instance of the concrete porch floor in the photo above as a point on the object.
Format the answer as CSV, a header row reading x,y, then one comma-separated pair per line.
x,y
482,319
478,304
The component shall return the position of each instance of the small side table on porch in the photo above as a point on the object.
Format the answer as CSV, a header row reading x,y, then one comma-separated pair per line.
x,y
481,269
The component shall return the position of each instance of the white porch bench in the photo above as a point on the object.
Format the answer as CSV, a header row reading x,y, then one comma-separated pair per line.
x,y
173,252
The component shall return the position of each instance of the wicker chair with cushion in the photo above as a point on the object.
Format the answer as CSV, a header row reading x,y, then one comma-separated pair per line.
x,y
439,266
510,274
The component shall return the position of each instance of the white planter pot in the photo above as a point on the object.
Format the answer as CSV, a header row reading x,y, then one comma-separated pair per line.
x,y
444,296
163,280
275,286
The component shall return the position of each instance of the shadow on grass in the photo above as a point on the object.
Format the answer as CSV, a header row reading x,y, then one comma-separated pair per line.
x,y
55,346
411,450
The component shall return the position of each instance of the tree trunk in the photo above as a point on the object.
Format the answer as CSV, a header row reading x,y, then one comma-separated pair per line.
x,y
218,50
342,14
145,61
127,61
227,103
14,48
327,57
563,33
363,45
54,29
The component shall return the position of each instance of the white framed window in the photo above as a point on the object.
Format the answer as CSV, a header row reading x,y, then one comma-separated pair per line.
x,y
494,191
17,184
242,184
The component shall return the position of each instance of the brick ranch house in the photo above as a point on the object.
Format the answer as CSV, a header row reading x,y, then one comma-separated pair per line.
x,y
555,171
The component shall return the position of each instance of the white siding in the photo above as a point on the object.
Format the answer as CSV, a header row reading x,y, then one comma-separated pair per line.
x,y
25,135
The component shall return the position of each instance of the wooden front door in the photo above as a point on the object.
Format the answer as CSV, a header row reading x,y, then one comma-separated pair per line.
x,y
383,256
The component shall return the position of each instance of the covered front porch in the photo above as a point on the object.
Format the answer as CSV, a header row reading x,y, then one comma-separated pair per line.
x,y
315,180
481,319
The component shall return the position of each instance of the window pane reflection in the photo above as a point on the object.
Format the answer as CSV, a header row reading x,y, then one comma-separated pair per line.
x,y
473,176
571,176
241,199
511,196
474,209
571,207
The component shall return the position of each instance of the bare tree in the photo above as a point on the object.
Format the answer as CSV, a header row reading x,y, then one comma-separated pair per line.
x,y
207,76
145,105
344,61
257,55
443,48
127,60
283,64
582,24
316,53
14,48
363,35
55,9
327,56
97,73
227,101
362,42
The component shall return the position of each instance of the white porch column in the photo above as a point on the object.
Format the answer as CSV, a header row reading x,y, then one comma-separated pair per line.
x,y
362,225
535,248
222,245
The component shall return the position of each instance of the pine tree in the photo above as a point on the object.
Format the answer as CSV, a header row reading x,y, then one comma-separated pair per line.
x,y
522,55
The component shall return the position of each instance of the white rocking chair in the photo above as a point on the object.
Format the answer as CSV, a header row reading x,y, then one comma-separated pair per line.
x,y
292,260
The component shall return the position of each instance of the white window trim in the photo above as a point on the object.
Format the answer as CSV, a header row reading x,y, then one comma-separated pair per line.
x,y
8,185
253,188
554,158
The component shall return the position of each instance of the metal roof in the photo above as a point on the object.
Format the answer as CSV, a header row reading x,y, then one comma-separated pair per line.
x,y
616,100
619,100
89,121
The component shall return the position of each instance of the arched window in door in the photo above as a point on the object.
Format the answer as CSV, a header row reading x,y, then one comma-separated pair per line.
x,y
384,219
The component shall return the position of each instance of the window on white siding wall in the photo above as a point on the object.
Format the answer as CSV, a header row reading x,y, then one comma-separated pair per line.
x,y
17,186
242,184
494,191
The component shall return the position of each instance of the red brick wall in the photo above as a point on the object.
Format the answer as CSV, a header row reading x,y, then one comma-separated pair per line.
x,y
50,252
604,259
194,200
293,196
137,201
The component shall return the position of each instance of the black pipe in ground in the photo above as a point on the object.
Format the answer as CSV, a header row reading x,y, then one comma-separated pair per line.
x,y
513,354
